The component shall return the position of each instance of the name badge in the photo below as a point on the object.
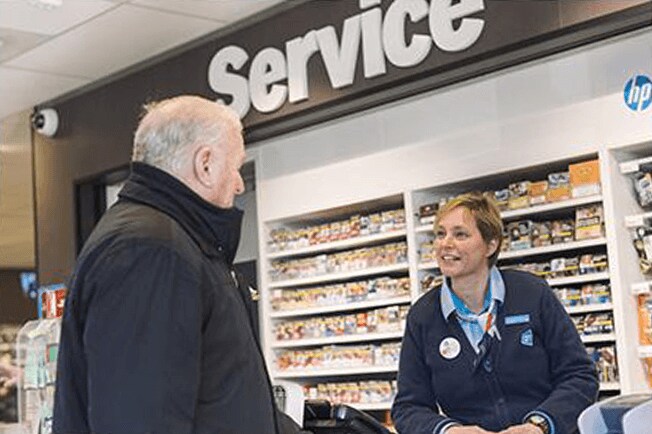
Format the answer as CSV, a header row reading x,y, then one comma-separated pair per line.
x,y
527,338
517,319
449,348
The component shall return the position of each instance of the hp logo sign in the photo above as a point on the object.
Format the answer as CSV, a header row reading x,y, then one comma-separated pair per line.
x,y
638,92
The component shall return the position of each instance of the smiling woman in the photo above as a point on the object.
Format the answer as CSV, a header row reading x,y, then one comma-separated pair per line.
x,y
450,359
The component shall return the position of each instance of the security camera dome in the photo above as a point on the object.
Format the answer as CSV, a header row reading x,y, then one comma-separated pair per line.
x,y
46,122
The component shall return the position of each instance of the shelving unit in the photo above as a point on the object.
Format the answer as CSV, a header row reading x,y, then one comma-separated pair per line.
x,y
341,307
345,339
414,233
335,277
339,245
336,372
619,164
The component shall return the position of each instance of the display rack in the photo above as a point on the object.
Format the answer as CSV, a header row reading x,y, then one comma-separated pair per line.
x,y
301,231
415,233
620,164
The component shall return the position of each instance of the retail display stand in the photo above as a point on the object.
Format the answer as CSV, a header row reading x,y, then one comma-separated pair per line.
x,y
333,322
36,349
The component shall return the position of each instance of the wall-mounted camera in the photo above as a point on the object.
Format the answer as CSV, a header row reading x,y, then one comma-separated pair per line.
x,y
45,121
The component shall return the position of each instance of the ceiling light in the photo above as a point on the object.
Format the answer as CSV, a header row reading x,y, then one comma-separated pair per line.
x,y
46,4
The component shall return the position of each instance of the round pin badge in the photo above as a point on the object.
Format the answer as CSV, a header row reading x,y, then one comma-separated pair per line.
x,y
449,348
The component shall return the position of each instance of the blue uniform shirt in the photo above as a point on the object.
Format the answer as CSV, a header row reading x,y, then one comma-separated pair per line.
x,y
474,324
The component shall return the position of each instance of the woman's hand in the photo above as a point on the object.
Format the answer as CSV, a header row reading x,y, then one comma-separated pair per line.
x,y
526,428
468,430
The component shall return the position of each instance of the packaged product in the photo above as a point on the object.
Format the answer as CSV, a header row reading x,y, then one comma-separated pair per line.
x,y
502,198
642,239
427,213
585,178
538,192
562,231
519,195
589,222
592,263
558,187
645,319
519,235
541,234
643,188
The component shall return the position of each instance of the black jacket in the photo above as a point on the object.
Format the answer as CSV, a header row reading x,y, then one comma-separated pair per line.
x,y
156,335
538,365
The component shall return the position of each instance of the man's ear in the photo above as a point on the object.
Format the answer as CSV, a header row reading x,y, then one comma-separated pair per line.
x,y
202,165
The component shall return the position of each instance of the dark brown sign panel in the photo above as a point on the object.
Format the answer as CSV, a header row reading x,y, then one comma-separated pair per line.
x,y
325,58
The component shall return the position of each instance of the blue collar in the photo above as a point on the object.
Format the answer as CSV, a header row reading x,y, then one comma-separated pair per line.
x,y
451,302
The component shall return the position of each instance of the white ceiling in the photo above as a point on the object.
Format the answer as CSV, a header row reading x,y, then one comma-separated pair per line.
x,y
46,52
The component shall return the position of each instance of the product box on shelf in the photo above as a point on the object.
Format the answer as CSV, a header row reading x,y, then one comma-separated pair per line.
x,y
643,185
519,195
589,222
502,198
642,239
562,231
558,187
645,319
519,235
541,234
584,178
538,192
606,362
592,263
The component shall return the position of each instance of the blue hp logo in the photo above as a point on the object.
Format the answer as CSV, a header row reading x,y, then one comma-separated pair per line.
x,y
638,92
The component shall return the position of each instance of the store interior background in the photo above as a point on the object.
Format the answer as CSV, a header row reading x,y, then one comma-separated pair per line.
x,y
559,107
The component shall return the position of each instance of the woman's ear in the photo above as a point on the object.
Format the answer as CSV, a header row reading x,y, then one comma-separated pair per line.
x,y
492,246
202,165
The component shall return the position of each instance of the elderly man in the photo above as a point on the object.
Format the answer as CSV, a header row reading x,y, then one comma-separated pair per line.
x,y
157,334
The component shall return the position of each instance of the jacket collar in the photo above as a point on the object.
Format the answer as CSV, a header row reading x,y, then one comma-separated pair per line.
x,y
215,230
496,293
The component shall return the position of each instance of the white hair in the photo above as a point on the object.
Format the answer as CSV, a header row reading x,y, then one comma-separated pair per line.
x,y
170,129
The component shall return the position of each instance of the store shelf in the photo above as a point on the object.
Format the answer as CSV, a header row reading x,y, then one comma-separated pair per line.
x,y
339,245
366,337
331,277
336,372
633,166
554,248
611,386
636,220
537,209
372,406
641,288
342,307
645,351
554,206
597,307
605,337
574,280
428,265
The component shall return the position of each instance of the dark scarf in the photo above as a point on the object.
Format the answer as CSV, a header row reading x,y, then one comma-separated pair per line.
x,y
215,230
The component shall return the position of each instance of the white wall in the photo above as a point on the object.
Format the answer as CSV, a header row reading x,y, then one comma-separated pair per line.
x,y
248,248
566,105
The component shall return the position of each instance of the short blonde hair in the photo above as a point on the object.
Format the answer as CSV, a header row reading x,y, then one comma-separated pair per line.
x,y
486,216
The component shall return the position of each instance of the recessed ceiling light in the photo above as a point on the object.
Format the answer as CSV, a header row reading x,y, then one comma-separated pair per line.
x,y
46,4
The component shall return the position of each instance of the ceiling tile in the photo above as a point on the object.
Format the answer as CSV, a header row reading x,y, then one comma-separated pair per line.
x,y
23,89
120,38
15,42
222,10
24,16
